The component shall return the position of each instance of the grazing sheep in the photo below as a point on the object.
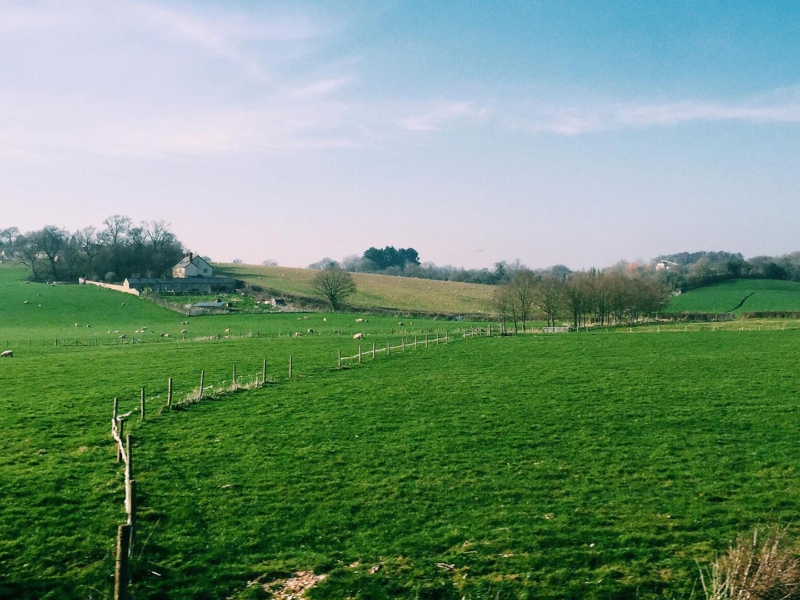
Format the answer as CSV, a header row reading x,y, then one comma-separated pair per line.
x,y
7,354
124,304
359,320
299,319
89,326
306,318
227,331
76,324
401,324
26,302
123,336
358,336
298,334
324,318
335,331
183,331
310,330
116,331
164,335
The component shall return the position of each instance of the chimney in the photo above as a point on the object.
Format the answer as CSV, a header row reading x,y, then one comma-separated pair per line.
x,y
191,257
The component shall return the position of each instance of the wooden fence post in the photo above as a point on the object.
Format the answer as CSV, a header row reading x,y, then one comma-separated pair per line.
x,y
202,383
446,338
114,410
121,434
290,366
234,377
373,350
129,462
403,344
169,393
437,338
388,347
338,358
121,568
415,342
359,354
132,518
264,372
143,415
426,340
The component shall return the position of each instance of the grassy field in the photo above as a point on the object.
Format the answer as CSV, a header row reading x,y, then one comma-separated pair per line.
x,y
739,296
35,314
591,465
375,291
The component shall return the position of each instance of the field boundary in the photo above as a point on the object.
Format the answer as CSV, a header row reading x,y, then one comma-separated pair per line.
x,y
123,573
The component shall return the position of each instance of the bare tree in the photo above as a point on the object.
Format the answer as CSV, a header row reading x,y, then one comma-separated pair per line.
x,y
522,288
51,241
26,251
550,294
503,303
334,285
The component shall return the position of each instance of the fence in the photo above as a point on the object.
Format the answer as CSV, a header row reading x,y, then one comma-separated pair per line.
x,y
126,532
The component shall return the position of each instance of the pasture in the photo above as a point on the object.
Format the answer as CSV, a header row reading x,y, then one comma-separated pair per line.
x,y
374,291
740,296
590,465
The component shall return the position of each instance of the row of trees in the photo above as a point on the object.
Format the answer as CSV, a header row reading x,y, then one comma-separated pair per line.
x,y
119,250
612,296
687,270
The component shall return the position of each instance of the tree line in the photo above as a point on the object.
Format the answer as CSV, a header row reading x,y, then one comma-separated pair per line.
x,y
615,295
689,270
119,250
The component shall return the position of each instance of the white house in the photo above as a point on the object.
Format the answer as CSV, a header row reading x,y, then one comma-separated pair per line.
x,y
192,266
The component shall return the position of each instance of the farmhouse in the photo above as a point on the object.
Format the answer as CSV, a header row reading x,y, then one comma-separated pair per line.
x,y
192,266
192,274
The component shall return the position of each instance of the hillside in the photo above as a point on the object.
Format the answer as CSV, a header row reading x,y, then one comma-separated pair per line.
x,y
374,291
740,296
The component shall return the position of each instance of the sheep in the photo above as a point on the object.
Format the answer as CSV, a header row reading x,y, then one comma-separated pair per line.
x,y
124,304
227,331
401,324
116,331
325,318
76,324
89,326
298,334
26,302
183,331
310,330
359,320
358,336
164,335
7,354
123,336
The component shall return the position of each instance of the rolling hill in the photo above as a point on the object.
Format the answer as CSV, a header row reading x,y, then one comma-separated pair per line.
x,y
740,296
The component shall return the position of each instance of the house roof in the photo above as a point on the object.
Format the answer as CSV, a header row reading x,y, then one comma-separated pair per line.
x,y
197,261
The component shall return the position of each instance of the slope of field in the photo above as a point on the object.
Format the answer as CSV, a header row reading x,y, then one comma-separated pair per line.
x,y
37,314
375,291
575,466
738,296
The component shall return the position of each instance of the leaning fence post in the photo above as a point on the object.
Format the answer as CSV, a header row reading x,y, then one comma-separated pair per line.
x,y
290,366
143,415
121,434
169,393
264,372
121,568
202,383
234,377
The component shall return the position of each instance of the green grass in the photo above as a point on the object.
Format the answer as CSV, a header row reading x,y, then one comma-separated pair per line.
x,y
739,296
375,291
587,465
103,315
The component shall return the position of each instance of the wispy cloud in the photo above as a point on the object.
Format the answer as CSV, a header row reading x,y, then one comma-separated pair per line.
x,y
778,106
436,117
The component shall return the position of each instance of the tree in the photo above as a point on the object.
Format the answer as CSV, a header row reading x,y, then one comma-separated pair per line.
x,y
550,294
334,284
522,289
51,241
270,262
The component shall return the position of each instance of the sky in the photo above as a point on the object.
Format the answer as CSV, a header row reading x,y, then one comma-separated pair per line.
x,y
578,133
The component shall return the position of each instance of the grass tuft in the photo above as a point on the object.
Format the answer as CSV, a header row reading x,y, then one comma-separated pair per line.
x,y
755,570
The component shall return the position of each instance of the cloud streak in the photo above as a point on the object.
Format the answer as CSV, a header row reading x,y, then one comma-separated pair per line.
x,y
779,106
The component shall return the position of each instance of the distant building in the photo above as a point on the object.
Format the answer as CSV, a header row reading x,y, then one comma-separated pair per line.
x,y
192,266
181,285
666,265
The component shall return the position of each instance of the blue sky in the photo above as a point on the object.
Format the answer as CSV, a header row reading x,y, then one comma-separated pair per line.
x,y
578,133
